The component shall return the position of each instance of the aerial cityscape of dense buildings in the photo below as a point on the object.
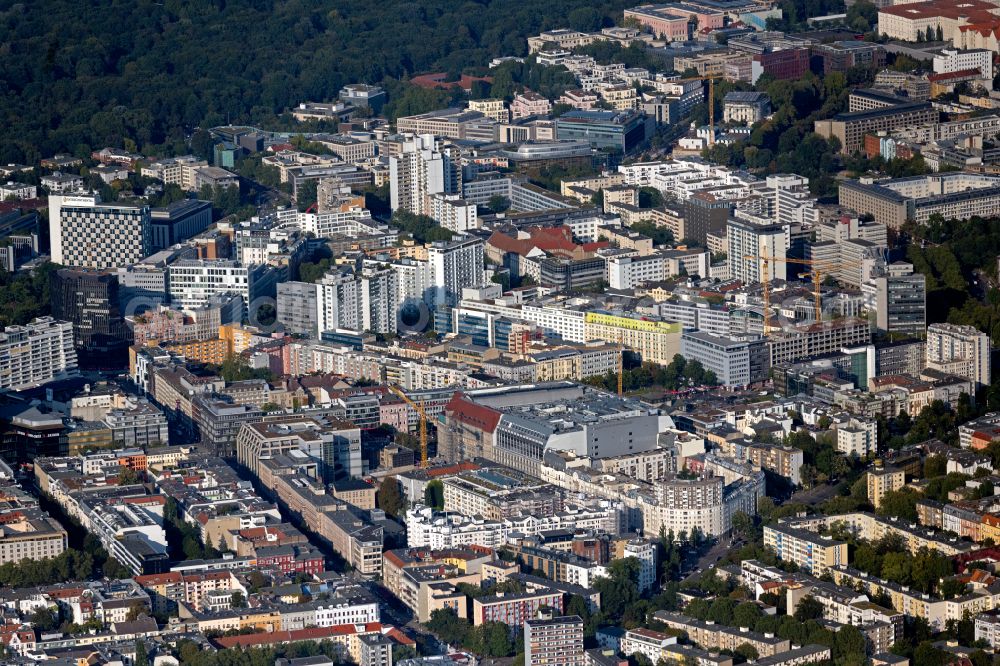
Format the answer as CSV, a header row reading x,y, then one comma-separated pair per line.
x,y
642,335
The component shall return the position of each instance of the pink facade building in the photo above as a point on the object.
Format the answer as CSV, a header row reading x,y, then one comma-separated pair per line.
x,y
675,21
661,21
529,104
394,413
579,99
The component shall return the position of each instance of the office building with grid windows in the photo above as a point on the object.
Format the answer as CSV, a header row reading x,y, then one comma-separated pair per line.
x,y
87,233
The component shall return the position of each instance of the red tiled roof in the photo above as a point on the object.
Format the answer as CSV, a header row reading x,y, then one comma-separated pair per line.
x,y
393,558
960,74
977,576
24,204
146,499
452,469
468,412
23,632
398,636
984,29
509,243
974,11
553,240
557,240
438,81
159,579
893,380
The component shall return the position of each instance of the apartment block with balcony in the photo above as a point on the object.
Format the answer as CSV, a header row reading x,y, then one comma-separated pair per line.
x,y
812,552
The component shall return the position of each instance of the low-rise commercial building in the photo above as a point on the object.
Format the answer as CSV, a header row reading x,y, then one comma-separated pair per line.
x,y
850,128
894,202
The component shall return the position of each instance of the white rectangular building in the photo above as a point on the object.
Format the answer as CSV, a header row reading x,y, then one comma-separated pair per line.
x,y
87,233
959,350
453,212
454,265
38,352
955,60
17,191
749,244
192,282
415,174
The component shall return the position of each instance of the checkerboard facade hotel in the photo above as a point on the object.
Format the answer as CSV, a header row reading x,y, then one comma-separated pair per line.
x,y
90,234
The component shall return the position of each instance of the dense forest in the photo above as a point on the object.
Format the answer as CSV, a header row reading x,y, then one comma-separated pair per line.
x,y
82,74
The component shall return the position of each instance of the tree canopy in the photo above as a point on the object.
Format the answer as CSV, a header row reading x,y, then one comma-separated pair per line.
x,y
390,497
76,81
421,228
675,375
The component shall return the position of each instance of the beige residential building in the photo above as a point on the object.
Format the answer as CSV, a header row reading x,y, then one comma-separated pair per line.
x,y
882,480
912,603
625,194
564,38
331,520
491,108
812,552
952,195
593,183
910,21
29,534
426,581
657,342
961,350
873,528
620,97
355,492
582,100
529,104
712,636
850,128
574,362
672,220
704,64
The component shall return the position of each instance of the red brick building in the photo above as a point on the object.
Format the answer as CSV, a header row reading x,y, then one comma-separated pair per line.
x,y
785,64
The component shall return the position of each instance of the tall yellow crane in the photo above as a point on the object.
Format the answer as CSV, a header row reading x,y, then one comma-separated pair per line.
x,y
621,365
711,101
711,107
423,421
819,270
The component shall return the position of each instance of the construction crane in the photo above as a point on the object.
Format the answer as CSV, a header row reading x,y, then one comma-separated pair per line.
x,y
820,269
711,107
621,365
423,421
711,101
